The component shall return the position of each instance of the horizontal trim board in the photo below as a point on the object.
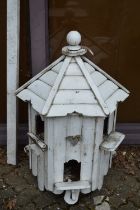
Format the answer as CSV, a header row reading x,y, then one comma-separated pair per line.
x,y
131,130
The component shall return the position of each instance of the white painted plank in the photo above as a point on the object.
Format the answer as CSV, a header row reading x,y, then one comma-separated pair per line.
x,y
59,149
86,110
74,97
74,128
73,69
34,163
101,166
118,96
96,155
49,155
36,101
33,130
72,185
107,89
40,74
40,171
73,152
57,67
74,82
13,26
36,159
106,162
89,67
56,86
112,141
98,78
110,123
92,85
30,130
40,88
115,119
74,125
105,74
49,77
87,149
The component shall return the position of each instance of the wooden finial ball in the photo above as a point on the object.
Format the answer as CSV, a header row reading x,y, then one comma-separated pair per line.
x,y
73,38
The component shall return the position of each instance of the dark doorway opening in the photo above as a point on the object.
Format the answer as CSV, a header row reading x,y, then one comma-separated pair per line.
x,y
72,171
105,129
39,127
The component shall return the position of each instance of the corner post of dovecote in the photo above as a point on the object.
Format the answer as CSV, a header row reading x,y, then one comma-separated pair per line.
x,y
13,25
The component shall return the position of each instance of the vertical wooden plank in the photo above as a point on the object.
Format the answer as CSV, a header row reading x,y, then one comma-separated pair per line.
x,y
40,171
33,130
115,119
39,34
49,155
87,147
74,128
34,163
12,76
30,130
101,162
110,123
96,155
59,149
106,161
103,166
41,167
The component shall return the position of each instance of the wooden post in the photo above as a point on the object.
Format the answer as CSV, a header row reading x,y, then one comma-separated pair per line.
x,y
13,18
39,34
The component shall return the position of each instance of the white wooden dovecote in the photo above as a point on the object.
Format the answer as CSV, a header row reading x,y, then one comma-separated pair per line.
x,y
72,116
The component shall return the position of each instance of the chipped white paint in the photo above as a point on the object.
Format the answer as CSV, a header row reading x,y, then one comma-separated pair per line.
x,y
13,19
73,98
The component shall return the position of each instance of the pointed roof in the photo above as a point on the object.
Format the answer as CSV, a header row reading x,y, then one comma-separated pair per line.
x,y
73,84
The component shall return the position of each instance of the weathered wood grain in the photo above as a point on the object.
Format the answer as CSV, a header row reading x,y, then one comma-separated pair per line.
x,y
110,122
74,128
13,27
74,82
74,97
91,110
107,89
49,77
98,78
49,155
87,150
96,155
92,85
37,102
59,149
40,88
39,74
56,86
112,141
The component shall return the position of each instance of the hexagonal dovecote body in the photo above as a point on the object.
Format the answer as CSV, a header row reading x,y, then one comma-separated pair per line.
x,y
72,117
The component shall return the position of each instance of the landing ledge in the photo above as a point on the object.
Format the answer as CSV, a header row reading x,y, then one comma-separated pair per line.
x,y
72,185
112,141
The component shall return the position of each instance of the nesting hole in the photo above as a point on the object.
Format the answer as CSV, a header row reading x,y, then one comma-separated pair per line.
x,y
105,126
72,171
39,127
